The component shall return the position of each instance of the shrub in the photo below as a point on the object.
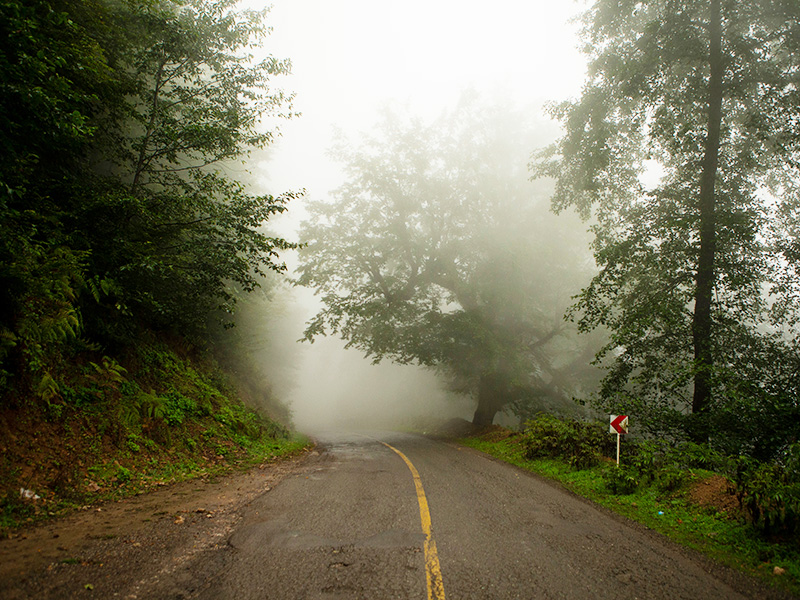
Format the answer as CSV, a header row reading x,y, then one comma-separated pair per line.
x,y
770,492
690,455
123,475
178,408
670,479
646,457
621,479
581,444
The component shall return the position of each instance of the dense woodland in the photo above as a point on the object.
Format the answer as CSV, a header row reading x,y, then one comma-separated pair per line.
x,y
126,244
665,287
118,213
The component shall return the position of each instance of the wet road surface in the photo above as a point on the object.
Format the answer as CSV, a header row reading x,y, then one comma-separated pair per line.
x,y
348,525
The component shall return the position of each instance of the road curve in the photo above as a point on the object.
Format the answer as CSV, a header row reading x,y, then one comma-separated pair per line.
x,y
347,526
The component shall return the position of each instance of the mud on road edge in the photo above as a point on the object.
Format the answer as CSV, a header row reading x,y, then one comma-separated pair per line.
x,y
123,548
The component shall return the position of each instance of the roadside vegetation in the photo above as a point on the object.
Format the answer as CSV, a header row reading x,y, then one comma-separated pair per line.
x,y
160,415
127,244
739,512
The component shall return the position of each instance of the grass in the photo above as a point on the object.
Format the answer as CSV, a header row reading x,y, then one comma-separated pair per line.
x,y
727,539
145,475
117,431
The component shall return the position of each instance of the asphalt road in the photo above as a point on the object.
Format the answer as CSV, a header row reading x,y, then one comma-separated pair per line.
x,y
348,525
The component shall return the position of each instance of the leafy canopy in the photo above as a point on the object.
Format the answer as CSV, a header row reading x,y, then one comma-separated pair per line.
x,y
633,157
120,200
437,250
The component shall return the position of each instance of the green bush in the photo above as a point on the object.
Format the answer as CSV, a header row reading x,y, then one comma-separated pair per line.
x,y
81,396
770,492
646,457
621,479
670,479
581,444
178,408
123,475
690,455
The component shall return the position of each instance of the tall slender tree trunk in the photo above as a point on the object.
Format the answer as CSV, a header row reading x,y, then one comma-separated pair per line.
x,y
142,160
702,321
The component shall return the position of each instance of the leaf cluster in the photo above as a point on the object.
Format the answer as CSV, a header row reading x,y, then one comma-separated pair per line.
x,y
119,208
631,158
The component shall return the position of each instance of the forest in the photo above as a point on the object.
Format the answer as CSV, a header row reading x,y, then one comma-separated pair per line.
x,y
127,242
644,263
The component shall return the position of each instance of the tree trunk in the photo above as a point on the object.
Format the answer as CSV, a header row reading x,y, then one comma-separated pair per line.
x,y
490,400
702,321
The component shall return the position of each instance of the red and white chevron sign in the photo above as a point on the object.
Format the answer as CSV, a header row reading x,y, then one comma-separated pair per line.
x,y
619,424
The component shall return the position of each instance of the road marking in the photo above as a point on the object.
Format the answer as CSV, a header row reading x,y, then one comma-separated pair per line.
x,y
433,571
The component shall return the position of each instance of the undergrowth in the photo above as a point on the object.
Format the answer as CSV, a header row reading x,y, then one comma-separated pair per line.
x,y
113,429
658,486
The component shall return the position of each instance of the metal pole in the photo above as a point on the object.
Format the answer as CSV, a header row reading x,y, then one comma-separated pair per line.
x,y
618,438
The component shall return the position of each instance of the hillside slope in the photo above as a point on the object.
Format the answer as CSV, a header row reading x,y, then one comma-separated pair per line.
x,y
160,412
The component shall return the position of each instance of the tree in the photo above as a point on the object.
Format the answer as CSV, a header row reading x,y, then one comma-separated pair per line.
x,y
176,229
52,75
703,92
119,208
437,251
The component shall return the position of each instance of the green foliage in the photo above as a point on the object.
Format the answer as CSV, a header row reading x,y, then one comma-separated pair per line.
x,y
116,212
162,414
670,479
621,480
646,110
689,455
770,493
580,444
132,445
438,251
645,458
54,73
178,407
45,320
198,99
150,406
123,475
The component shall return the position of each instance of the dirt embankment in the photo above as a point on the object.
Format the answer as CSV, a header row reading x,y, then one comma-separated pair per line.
x,y
135,547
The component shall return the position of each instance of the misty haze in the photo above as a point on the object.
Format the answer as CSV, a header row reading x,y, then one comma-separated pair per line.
x,y
364,299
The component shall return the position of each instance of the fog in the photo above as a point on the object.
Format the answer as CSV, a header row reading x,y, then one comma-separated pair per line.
x,y
352,58
328,387
341,390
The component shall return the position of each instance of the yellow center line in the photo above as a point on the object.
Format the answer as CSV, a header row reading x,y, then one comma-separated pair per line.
x,y
433,571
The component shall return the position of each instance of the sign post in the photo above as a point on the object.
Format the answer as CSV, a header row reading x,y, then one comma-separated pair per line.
x,y
618,424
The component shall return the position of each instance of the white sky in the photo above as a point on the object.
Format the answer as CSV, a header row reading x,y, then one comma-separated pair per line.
x,y
351,57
